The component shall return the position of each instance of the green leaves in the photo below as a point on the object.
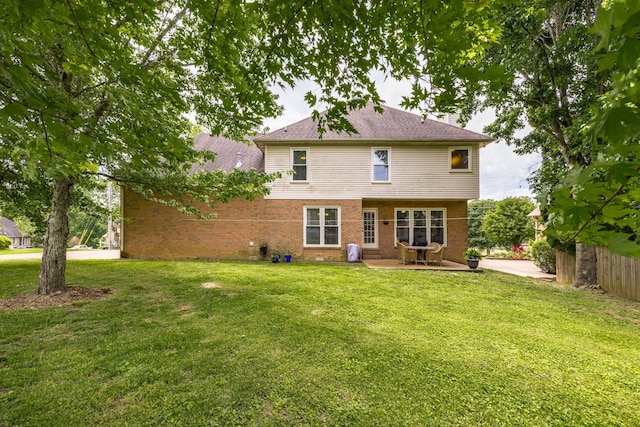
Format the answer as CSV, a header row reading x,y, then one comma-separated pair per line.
x,y
599,204
477,209
508,224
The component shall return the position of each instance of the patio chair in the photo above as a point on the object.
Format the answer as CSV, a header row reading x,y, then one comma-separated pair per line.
x,y
435,253
407,254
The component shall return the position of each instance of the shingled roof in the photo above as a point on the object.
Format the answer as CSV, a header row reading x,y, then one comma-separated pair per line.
x,y
392,125
8,228
229,153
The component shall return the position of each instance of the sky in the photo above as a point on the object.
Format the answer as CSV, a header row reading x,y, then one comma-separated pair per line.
x,y
502,172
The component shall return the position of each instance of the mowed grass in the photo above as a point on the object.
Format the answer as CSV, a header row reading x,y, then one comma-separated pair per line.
x,y
315,344
20,251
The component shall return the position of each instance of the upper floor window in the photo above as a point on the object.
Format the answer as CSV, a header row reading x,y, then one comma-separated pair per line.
x,y
299,164
381,164
460,159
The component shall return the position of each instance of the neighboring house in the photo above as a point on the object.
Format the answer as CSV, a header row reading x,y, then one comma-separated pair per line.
x,y
401,178
9,229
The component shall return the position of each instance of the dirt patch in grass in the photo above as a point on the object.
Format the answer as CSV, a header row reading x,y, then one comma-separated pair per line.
x,y
71,295
211,285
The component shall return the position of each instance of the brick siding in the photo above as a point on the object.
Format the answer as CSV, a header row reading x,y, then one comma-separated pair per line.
x,y
456,225
155,231
152,231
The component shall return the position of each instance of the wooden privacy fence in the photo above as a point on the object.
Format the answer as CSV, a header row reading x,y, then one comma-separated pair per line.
x,y
616,274
565,267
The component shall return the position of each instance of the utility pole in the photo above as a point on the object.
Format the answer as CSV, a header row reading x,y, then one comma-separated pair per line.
x,y
110,220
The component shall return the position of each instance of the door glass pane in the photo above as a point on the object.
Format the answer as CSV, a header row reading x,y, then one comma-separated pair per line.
x,y
369,225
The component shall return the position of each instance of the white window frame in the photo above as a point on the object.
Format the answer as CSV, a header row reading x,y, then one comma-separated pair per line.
x,y
322,226
469,159
292,158
373,164
411,222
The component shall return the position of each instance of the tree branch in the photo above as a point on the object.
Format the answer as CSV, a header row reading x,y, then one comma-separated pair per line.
x,y
145,63
84,38
596,213
46,134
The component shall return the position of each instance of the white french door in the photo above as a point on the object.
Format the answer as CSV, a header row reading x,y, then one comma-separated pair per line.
x,y
370,228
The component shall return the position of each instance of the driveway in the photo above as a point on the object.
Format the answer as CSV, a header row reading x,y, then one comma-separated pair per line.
x,y
91,254
516,266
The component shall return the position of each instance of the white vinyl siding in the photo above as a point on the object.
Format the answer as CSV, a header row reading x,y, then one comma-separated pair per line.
x,y
339,172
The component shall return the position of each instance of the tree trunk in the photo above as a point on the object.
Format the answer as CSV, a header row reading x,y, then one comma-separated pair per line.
x,y
54,249
586,266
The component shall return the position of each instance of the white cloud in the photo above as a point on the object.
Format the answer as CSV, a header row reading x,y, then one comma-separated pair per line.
x,y
503,173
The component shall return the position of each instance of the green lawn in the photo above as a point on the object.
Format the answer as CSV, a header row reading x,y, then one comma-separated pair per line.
x,y
315,344
20,251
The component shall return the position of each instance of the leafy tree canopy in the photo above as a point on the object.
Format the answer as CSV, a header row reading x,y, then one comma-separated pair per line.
x,y
477,210
600,203
570,71
103,88
508,224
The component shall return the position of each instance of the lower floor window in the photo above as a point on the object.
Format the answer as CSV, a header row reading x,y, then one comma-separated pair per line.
x,y
420,226
322,226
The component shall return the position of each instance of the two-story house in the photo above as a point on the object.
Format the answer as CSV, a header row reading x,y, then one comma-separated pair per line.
x,y
400,178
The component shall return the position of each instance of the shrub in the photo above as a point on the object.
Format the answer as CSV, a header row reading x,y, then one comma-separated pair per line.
x,y
5,242
472,254
544,256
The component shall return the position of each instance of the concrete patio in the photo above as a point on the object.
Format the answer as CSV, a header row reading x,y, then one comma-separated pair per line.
x,y
397,264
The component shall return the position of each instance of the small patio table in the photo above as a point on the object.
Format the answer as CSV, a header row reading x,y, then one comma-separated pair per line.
x,y
421,249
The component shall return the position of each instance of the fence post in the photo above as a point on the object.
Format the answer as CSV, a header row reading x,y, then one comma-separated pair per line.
x,y
565,267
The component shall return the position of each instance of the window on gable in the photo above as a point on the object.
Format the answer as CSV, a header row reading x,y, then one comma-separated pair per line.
x,y
322,226
460,159
381,164
299,164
